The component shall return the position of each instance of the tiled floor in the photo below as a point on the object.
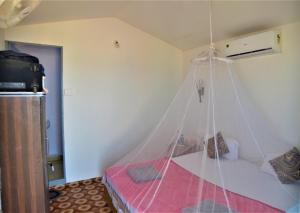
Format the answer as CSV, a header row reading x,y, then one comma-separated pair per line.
x,y
89,196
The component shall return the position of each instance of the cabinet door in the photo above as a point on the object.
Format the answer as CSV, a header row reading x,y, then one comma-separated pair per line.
x,y
22,154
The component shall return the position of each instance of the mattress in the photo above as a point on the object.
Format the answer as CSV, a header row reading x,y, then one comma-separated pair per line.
x,y
243,182
245,178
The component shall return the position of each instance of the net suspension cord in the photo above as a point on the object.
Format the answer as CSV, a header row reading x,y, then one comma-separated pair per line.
x,y
173,149
243,113
250,128
151,135
214,133
211,55
210,23
204,156
192,72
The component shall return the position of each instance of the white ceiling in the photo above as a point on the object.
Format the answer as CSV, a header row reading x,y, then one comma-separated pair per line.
x,y
184,24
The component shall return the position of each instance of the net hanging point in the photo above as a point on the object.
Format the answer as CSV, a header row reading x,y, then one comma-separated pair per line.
x,y
212,50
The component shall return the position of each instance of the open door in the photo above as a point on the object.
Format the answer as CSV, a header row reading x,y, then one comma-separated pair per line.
x,y
51,58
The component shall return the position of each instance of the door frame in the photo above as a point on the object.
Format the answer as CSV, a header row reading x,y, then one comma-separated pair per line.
x,y
60,48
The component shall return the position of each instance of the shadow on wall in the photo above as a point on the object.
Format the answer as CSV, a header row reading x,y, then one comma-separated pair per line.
x,y
145,118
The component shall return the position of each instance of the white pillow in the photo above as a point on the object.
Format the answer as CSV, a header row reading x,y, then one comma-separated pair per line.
x,y
266,166
233,147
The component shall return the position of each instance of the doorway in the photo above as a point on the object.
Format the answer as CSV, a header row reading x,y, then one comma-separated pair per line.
x,y
51,58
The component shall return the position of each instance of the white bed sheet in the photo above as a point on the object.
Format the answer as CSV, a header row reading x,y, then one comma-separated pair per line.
x,y
244,178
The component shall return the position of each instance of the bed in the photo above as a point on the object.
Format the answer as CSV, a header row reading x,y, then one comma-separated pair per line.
x,y
248,189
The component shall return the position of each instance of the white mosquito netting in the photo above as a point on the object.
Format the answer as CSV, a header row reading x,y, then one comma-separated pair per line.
x,y
210,152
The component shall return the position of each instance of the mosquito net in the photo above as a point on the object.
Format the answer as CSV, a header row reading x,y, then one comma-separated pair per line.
x,y
211,152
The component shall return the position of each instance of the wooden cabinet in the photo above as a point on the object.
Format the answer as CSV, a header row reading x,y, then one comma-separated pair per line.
x,y
23,154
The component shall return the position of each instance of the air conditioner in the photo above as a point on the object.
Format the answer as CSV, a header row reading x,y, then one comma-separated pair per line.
x,y
257,44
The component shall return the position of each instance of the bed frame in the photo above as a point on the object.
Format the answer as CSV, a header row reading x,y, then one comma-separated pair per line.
x,y
117,201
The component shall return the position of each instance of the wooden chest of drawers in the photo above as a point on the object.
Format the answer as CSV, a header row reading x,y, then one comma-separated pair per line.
x,y
22,154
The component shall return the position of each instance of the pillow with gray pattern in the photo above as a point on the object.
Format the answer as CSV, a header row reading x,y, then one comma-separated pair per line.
x,y
287,166
222,147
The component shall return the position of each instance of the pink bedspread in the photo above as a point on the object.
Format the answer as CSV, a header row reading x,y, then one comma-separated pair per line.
x,y
178,189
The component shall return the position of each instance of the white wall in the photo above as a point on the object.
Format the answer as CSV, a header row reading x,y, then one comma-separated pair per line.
x,y
118,93
272,82
1,39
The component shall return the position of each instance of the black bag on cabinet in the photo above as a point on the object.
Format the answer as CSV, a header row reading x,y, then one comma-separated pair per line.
x,y
20,72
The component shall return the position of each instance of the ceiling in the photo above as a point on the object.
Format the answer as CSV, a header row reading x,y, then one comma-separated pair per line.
x,y
184,24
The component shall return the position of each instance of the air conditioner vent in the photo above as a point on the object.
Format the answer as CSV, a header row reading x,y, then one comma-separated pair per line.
x,y
258,44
